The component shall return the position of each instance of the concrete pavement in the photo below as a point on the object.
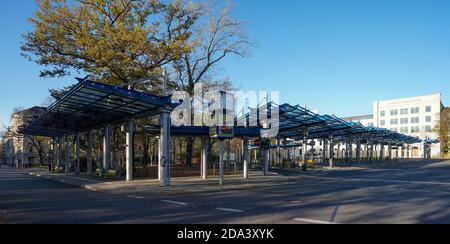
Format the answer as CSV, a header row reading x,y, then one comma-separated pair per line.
x,y
400,192
185,185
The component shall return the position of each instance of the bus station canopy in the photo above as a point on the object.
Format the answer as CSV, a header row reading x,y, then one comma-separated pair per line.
x,y
203,131
89,105
296,122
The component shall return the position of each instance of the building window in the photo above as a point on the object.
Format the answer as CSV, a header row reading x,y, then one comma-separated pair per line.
x,y
382,113
428,119
415,120
370,125
428,128
404,130
394,129
404,111
383,122
394,121
415,129
415,110
428,109
394,112
404,121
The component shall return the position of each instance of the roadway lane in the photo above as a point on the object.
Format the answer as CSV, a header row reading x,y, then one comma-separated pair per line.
x,y
27,199
398,193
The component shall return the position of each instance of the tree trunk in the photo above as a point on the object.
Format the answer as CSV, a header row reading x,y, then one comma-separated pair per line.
x,y
173,149
189,149
41,157
145,150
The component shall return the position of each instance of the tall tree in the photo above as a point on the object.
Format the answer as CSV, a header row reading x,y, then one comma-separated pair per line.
x,y
217,35
113,41
442,128
2,148
119,41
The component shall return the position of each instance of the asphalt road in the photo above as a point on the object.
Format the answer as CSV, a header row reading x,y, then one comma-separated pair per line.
x,y
395,193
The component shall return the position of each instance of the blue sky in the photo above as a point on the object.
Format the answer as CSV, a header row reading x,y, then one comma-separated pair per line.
x,y
334,56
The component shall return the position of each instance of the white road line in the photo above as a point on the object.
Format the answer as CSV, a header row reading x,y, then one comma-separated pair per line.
x,y
174,202
230,210
83,179
136,197
313,221
386,181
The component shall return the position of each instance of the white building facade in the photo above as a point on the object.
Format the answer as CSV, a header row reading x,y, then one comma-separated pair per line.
x,y
366,120
414,116
17,149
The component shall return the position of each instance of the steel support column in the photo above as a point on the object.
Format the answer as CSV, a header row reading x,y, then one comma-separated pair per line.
x,y
331,152
53,151
164,162
60,153
424,151
278,156
305,151
67,164
204,163
90,153
129,150
324,151
159,158
390,151
77,153
408,152
266,155
350,152
246,157
221,161
358,151
106,150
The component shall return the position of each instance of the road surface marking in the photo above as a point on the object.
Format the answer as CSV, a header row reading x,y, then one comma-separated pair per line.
x,y
136,197
174,202
83,179
335,212
385,181
230,210
313,221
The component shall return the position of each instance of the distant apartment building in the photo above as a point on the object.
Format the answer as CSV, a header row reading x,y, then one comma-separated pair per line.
x,y
414,116
18,150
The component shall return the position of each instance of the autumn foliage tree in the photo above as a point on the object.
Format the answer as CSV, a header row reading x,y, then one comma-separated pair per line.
x,y
442,128
121,41
217,35
113,41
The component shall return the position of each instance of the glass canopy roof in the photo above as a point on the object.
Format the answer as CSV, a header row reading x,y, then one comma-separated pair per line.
x,y
90,105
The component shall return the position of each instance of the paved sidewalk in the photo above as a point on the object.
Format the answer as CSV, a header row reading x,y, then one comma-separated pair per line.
x,y
187,185
178,186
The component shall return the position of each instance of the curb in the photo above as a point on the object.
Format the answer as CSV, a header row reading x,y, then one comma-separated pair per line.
x,y
169,192
54,179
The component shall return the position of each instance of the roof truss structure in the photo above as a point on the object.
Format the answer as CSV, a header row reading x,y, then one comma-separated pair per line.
x,y
90,105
